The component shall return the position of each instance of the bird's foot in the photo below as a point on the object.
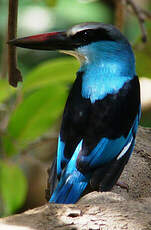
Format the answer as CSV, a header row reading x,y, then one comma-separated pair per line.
x,y
122,185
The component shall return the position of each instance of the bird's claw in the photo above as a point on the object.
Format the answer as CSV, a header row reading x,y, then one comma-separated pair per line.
x,y
122,185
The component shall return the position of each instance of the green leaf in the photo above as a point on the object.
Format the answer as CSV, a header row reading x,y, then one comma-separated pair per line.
x,y
44,95
143,57
13,187
79,11
51,72
143,61
33,117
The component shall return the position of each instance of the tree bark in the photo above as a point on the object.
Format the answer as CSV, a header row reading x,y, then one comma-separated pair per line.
x,y
116,210
14,73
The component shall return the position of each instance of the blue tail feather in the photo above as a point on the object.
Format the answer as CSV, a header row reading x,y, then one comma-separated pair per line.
x,y
72,182
70,188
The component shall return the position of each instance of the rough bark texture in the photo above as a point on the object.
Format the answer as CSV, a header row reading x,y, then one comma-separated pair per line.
x,y
111,210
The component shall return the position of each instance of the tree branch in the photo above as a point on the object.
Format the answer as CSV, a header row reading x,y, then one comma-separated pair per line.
x,y
141,15
13,73
119,14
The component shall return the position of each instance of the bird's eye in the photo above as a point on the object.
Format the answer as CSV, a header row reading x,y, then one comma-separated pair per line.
x,y
85,36
81,36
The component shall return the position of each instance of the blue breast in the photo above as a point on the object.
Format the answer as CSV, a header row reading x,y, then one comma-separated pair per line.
x,y
106,69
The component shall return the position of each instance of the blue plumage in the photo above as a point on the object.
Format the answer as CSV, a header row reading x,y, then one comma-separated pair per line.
x,y
107,79
108,67
60,156
72,182
102,112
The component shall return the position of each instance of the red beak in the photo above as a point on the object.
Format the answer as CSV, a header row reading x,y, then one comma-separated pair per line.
x,y
47,41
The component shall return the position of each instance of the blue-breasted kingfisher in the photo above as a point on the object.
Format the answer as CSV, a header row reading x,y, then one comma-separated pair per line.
x,y
102,111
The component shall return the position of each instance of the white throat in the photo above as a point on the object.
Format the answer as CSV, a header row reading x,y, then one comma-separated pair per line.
x,y
81,58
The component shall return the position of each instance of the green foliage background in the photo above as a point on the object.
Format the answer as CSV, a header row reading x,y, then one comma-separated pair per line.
x,y
31,110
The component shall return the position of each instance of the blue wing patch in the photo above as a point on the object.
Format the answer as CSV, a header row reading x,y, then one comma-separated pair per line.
x,y
73,181
106,150
60,156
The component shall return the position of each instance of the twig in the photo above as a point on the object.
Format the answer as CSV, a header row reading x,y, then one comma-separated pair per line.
x,y
147,14
13,73
119,14
141,15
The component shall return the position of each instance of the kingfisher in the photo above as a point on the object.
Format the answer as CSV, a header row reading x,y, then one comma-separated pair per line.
x,y
102,112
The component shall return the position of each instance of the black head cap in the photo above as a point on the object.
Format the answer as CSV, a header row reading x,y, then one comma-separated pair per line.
x,y
86,33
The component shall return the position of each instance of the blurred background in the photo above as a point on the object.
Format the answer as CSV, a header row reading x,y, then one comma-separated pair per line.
x,y
30,115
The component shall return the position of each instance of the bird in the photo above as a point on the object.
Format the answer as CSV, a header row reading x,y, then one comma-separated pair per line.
x,y
102,111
